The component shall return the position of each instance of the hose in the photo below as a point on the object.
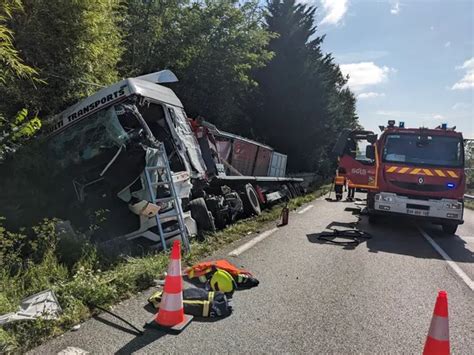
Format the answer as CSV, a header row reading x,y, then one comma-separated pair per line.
x,y
354,237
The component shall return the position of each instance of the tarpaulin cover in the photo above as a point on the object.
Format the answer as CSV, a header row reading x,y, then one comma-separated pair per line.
x,y
43,304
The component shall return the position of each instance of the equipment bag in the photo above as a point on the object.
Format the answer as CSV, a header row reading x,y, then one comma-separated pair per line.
x,y
205,270
200,303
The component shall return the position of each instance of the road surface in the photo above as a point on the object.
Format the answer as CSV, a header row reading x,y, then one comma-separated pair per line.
x,y
316,297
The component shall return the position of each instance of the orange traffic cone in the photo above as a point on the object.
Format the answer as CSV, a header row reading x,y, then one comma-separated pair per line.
x,y
437,341
170,315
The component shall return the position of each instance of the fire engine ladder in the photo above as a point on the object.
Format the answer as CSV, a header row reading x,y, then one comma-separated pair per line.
x,y
164,171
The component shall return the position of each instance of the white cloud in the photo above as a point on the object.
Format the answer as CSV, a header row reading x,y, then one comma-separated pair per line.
x,y
467,81
370,95
365,74
432,28
461,106
395,10
334,11
447,44
410,115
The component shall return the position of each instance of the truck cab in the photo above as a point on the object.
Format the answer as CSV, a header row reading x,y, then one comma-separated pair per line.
x,y
417,172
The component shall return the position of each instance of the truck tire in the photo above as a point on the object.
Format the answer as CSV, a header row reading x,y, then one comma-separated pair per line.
x,y
293,191
449,228
297,189
202,216
250,201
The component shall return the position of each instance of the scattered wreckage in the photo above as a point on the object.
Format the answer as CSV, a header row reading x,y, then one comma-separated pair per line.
x,y
131,150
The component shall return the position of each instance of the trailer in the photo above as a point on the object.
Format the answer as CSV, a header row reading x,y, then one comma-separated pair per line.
x,y
131,150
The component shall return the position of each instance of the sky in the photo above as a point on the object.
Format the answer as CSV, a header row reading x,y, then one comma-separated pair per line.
x,y
410,60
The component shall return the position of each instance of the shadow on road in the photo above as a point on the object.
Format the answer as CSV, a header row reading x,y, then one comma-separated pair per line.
x,y
109,323
399,236
139,342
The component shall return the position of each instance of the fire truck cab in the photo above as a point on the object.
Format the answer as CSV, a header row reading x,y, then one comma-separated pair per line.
x,y
416,172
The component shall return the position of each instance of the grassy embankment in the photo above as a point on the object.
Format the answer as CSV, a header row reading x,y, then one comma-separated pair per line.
x,y
86,282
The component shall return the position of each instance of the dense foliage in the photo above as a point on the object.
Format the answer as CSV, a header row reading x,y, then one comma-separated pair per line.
x,y
252,69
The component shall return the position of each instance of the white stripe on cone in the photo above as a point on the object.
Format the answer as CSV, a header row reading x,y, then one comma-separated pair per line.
x,y
172,302
439,328
174,269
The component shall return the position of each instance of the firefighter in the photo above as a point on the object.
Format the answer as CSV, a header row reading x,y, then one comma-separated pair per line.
x,y
339,183
351,192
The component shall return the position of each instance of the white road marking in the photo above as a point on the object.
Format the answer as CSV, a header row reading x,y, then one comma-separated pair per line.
x,y
252,242
307,208
448,259
467,239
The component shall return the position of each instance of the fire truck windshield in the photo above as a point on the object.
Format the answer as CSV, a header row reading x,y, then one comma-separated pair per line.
x,y
429,150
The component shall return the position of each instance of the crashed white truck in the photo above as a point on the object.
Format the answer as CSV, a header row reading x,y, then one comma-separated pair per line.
x,y
107,141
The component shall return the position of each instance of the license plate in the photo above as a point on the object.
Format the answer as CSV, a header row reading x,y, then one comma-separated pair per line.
x,y
417,212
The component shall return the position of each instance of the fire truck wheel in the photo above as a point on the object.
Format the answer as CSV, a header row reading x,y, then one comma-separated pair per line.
x,y
450,228
202,216
250,201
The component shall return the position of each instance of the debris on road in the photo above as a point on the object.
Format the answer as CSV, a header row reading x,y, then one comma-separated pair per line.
x,y
284,216
205,270
348,237
40,305
200,303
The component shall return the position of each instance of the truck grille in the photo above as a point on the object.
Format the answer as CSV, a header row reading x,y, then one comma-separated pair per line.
x,y
418,187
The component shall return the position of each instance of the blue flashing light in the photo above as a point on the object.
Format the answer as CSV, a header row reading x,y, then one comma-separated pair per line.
x,y
444,125
401,124
450,185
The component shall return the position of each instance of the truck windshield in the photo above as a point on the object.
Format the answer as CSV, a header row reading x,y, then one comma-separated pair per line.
x,y
423,150
101,134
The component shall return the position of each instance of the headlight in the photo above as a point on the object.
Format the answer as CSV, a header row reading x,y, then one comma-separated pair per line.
x,y
453,205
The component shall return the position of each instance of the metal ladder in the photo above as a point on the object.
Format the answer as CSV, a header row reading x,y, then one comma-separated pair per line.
x,y
164,171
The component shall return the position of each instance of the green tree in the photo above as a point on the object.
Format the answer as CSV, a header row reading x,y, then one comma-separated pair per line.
x,y
302,101
75,45
11,65
212,46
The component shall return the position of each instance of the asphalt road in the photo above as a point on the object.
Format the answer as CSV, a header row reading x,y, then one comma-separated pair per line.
x,y
316,297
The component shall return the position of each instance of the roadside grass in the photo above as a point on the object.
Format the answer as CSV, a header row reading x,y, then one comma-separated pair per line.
x,y
84,285
469,204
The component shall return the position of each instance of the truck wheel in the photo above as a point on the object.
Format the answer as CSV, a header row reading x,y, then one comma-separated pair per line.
x,y
250,200
293,191
450,228
201,215
297,189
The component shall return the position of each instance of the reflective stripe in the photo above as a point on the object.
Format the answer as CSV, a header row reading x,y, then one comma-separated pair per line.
x,y
439,328
403,170
205,309
428,172
174,269
339,180
172,302
452,174
415,171
391,169
440,173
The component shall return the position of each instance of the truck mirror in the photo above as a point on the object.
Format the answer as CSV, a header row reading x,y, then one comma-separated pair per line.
x,y
341,142
370,152
372,138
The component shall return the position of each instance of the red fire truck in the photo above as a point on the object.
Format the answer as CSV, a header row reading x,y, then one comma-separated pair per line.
x,y
417,172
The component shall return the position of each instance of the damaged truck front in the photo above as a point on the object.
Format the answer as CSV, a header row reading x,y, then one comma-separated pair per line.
x,y
96,167
103,145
